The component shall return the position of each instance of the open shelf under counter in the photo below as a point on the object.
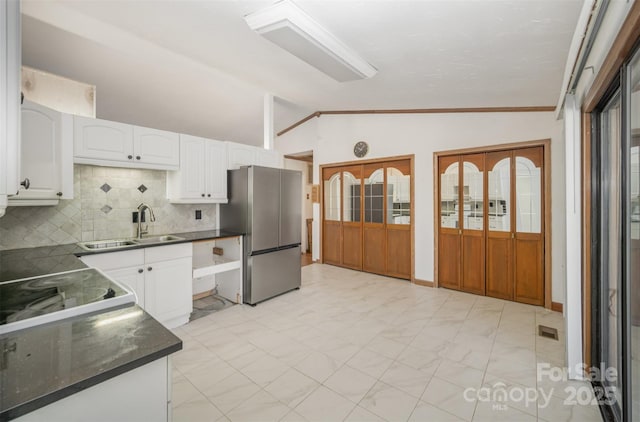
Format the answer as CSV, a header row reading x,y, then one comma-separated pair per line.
x,y
219,273
213,264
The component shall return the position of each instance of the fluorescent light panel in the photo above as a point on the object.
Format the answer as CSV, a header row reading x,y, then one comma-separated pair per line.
x,y
289,27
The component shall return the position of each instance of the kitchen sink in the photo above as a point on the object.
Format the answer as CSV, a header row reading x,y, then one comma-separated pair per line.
x,y
102,245
107,244
158,239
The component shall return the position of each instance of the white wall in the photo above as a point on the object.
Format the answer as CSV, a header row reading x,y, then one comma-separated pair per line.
x,y
331,137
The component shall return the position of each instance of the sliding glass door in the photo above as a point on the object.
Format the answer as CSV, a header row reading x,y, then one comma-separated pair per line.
x,y
632,204
615,272
610,271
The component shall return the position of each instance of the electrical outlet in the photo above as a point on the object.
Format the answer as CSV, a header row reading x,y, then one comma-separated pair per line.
x,y
198,214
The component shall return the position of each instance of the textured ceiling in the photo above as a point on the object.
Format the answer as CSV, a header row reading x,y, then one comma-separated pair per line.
x,y
195,66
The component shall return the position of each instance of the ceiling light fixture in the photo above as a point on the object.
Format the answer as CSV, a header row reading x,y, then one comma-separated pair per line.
x,y
287,26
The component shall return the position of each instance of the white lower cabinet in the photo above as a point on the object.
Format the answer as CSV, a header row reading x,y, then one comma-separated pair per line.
x,y
132,277
160,276
142,394
166,299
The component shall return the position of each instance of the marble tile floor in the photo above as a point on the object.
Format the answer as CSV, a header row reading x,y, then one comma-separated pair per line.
x,y
352,346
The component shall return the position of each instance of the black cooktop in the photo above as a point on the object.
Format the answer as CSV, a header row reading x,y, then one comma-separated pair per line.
x,y
33,301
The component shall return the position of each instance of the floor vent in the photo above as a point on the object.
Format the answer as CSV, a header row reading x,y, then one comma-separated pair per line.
x,y
548,332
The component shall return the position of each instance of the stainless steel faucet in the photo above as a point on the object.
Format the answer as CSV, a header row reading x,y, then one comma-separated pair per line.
x,y
141,208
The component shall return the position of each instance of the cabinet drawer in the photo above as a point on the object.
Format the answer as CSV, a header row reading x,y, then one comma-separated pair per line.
x,y
115,260
165,253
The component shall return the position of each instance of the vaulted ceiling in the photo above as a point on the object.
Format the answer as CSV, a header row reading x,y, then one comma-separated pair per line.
x,y
195,66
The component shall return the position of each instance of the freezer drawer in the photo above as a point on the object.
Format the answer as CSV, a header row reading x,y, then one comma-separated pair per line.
x,y
271,274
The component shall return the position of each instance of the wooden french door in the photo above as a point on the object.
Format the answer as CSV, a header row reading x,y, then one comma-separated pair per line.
x,y
491,235
515,236
367,217
499,274
342,227
375,239
397,220
449,245
462,233
352,217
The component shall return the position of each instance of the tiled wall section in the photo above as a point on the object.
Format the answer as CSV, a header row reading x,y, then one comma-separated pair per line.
x,y
104,199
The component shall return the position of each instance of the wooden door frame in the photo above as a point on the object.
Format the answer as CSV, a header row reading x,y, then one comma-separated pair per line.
x,y
546,145
411,158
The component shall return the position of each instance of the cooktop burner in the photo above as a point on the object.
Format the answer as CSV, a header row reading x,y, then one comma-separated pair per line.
x,y
38,300
56,280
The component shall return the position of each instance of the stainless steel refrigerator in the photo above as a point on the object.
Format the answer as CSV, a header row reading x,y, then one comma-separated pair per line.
x,y
266,204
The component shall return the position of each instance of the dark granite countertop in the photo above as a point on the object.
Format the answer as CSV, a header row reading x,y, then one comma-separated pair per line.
x,y
32,262
46,363
43,364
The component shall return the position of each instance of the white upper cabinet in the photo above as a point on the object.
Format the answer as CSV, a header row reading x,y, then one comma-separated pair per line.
x,y
106,143
47,156
216,170
240,155
246,155
202,177
10,51
152,146
96,139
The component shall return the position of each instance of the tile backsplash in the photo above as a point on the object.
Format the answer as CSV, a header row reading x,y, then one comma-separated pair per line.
x,y
104,198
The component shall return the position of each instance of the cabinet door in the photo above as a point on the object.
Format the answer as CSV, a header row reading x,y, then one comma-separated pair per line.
x,y
216,170
240,155
132,278
102,140
192,170
158,147
167,288
41,152
10,51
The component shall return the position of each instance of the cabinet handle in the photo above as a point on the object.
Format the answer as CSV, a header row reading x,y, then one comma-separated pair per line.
x,y
25,183
140,270
203,195
59,194
149,268
209,195
137,157
130,157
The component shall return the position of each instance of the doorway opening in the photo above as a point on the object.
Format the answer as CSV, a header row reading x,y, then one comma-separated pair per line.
x,y
303,162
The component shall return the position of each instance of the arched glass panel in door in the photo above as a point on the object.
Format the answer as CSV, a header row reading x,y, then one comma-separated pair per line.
x,y
528,196
398,197
449,181
351,193
332,198
499,193
374,197
473,191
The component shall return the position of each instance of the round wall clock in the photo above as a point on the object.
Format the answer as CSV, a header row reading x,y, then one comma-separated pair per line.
x,y
360,149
